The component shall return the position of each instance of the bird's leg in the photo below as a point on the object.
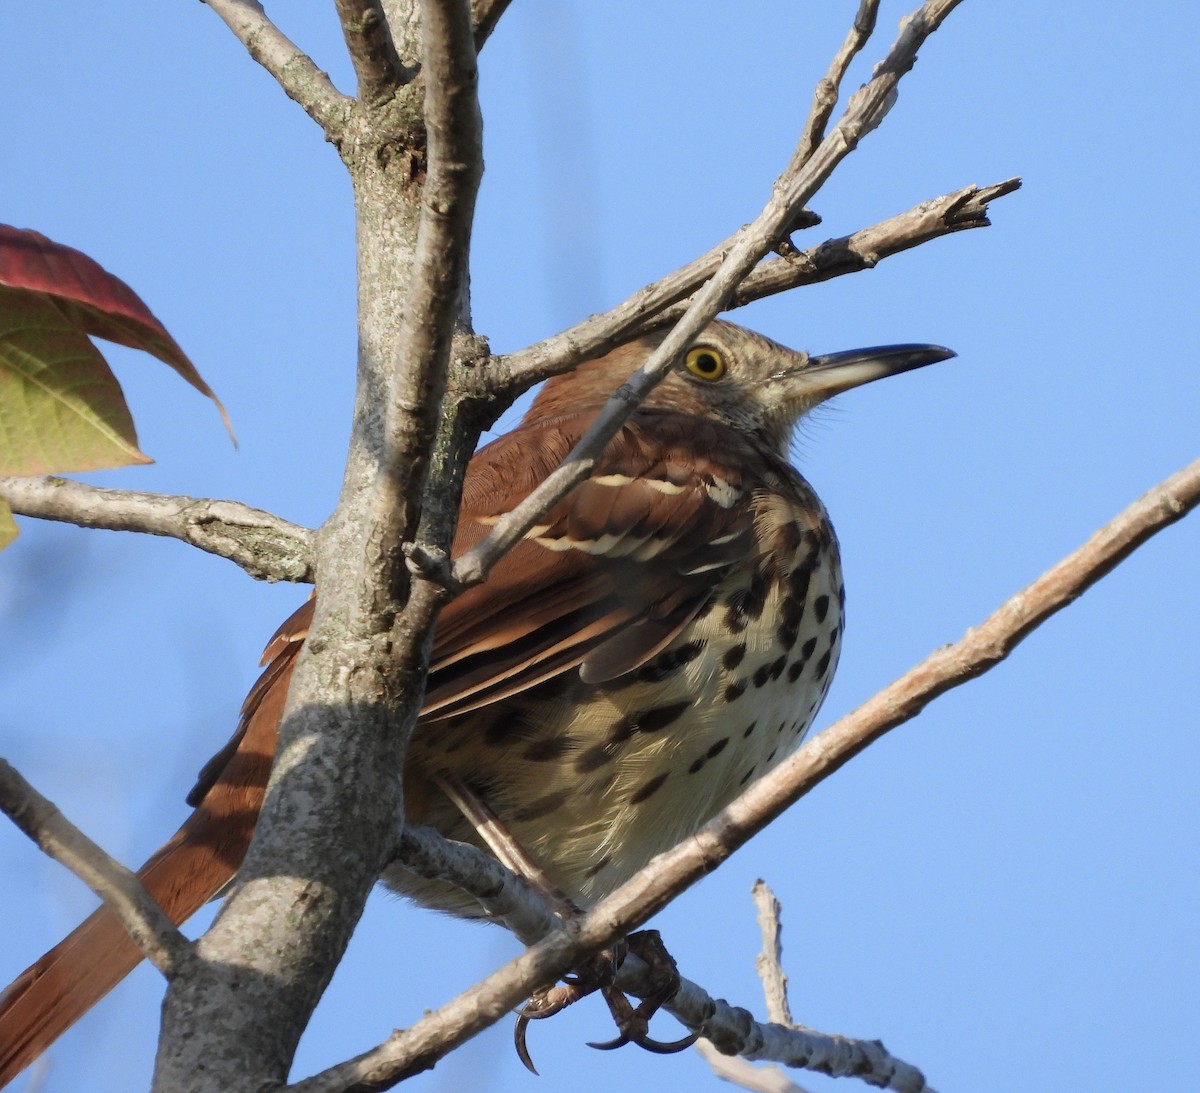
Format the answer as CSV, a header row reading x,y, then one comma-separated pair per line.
x,y
599,973
501,842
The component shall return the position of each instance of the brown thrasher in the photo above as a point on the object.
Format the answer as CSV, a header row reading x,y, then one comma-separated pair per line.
x,y
662,637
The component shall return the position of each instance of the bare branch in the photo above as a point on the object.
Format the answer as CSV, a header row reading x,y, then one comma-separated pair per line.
x,y
264,545
146,923
505,897
510,900
292,68
769,963
825,95
372,52
953,212
485,14
435,302
418,1047
792,189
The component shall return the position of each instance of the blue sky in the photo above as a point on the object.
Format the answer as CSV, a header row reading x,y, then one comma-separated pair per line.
x,y
1004,891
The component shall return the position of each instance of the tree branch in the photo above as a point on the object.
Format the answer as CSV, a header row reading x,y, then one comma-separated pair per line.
x,y
435,301
292,68
145,922
825,95
485,14
321,838
368,37
264,545
769,963
802,178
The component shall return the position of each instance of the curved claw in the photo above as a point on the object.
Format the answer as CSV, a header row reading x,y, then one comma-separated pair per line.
x,y
658,1047
671,1047
610,1045
519,1042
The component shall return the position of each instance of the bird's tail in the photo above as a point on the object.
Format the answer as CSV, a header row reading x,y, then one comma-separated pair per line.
x,y
54,992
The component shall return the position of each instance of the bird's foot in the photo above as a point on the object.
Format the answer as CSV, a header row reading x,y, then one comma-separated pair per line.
x,y
633,1022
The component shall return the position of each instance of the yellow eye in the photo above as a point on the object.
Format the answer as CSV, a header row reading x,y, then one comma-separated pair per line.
x,y
705,363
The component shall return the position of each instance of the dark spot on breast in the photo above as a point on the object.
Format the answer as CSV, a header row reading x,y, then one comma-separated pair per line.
x,y
735,690
668,663
842,596
498,731
648,789
792,612
808,648
660,716
823,663
798,583
717,748
782,726
770,671
821,607
795,670
749,729
735,621
594,758
747,602
697,765
833,636
548,748
771,757
746,777
733,656
788,537
543,806
595,868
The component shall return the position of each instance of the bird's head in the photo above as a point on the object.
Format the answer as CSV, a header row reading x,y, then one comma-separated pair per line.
x,y
732,374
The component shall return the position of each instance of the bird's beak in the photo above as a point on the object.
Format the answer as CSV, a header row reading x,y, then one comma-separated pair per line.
x,y
832,373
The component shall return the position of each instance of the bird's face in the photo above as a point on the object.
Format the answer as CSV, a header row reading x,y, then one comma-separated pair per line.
x,y
762,388
736,376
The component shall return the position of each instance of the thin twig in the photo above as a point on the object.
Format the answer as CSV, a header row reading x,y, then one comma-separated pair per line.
x,y
792,189
146,923
485,14
372,52
294,71
737,1071
825,95
265,546
769,963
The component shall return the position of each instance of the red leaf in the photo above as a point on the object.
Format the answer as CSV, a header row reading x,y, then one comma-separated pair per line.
x,y
93,299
